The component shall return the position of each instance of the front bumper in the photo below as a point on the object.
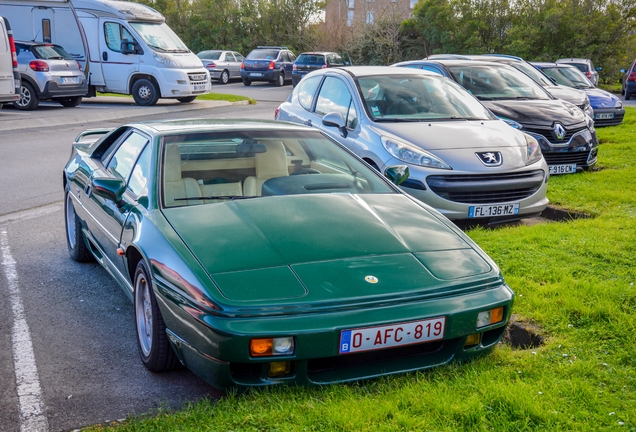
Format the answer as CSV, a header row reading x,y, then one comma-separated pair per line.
x,y
177,83
216,348
608,116
579,147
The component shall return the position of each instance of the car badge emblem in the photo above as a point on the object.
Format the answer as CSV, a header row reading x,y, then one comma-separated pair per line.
x,y
490,158
371,279
559,131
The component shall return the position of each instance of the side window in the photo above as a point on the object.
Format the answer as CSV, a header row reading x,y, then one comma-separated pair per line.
x,y
114,34
239,57
140,173
306,91
334,96
122,162
292,57
284,56
229,57
338,60
46,30
431,69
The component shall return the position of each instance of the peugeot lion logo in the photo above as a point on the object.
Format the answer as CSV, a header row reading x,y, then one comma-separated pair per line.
x,y
371,279
559,131
490,158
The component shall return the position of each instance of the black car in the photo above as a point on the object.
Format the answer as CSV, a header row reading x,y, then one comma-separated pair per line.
x,y
310,61
566,135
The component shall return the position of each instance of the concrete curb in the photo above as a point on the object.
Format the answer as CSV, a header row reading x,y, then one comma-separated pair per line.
x,y
73,116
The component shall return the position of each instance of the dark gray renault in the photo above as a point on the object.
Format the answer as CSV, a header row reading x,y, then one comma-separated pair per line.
x,y
566,135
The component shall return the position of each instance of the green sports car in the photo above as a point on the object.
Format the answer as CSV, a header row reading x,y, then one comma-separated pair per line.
x,y
261,253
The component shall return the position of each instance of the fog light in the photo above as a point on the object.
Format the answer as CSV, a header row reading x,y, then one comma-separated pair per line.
x,y
472,340
279,368
490,317
182,82
272,346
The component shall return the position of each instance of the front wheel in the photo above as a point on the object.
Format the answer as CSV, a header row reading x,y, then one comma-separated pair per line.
x,y
152,341
28,98
77,248
70,102
224,78
145,92
247,82
186,99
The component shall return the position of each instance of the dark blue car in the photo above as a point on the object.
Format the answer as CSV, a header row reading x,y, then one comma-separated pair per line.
x,y
608,109
310,61
268,63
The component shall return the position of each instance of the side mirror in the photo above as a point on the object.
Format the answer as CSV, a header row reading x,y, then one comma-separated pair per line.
x,y
622,71
397,174
109,188
598,69
129,47
335,119
553,79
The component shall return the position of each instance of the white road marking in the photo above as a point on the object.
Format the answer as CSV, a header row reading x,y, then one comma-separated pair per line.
x,y
32,418
32,213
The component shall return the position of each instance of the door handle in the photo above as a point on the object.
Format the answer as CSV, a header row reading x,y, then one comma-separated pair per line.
x,y
307,122
104,56
88,191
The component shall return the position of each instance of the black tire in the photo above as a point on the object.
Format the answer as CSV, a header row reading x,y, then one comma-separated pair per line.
x,y
154,348
145,92
77,248
224,78
29,99
247,82
280,80
628,95
186,99
70,102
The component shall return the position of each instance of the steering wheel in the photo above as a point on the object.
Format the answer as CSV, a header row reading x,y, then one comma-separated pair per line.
x,y
306,171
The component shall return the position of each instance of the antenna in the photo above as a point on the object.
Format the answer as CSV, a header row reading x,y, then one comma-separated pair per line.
x,y
36,35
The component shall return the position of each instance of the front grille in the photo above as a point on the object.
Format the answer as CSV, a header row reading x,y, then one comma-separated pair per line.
x,y
349,360
486,188
197,77
550,136
579,158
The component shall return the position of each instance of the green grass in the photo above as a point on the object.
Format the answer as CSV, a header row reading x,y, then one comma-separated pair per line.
x,y
208,96
575,279
612,88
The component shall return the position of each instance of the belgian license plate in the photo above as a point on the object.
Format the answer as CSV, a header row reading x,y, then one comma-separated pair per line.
x,y
562,169
256,74
199,87
71,80
375,338
604,116
493,210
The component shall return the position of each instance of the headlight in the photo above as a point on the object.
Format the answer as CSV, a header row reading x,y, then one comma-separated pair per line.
x,y
411,154
165,60
534,151
511,123
618,104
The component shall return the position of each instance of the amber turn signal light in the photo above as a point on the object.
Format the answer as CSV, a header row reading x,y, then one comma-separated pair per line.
x,y
490,317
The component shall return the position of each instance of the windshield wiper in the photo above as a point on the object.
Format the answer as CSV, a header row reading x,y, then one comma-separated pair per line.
x,y
485,98
158,48
217,197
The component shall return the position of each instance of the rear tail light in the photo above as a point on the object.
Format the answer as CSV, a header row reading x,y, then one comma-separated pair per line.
x,y
79,66
294,67
632,77
14,55
39,66
212,65
588,74
323,66
271,65
276,112
242,65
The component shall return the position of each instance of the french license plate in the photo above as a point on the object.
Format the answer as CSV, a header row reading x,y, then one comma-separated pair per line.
x,y
562,169
256,74
603,116
199,87
493,210
374,338
71,80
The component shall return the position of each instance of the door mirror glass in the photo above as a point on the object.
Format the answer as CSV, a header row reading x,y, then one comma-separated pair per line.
x,y
110,188
397,174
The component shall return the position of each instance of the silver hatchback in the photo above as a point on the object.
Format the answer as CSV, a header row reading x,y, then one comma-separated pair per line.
x,y
48,72
463,160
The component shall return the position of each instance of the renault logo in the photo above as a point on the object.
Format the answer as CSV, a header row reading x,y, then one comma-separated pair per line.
x,y
490,158
559,131
371,279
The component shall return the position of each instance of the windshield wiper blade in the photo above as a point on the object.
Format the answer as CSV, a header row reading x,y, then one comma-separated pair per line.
x,y
485,98
158,48
218,197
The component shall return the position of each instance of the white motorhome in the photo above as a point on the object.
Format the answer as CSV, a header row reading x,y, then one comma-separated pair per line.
x,y
9,76
124,47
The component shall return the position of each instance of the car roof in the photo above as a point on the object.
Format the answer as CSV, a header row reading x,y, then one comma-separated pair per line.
x,y
546,64
456,62
359,71
573,60
318,52
164,127
32,43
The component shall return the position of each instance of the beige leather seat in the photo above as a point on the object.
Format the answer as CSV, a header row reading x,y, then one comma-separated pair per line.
x,y
272,163
173,185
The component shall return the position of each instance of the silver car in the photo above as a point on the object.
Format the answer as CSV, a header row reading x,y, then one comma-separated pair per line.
x,y
462,159
222,65
584,65
48,72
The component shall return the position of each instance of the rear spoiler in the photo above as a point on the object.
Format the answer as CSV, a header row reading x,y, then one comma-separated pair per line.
x,y
89,136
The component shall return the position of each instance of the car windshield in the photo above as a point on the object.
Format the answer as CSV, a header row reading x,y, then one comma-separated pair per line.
x,y
209,55
312,59
568,76
160,37
390,98
214,167
532,72
263,55
580,66
51,52
497,82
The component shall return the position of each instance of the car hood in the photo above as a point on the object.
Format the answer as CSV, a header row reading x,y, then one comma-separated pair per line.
x,y
538,112
601,98
457,134
323,247
572,95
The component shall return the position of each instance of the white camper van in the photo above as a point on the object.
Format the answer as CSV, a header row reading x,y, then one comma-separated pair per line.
x,y
124,47
9,76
